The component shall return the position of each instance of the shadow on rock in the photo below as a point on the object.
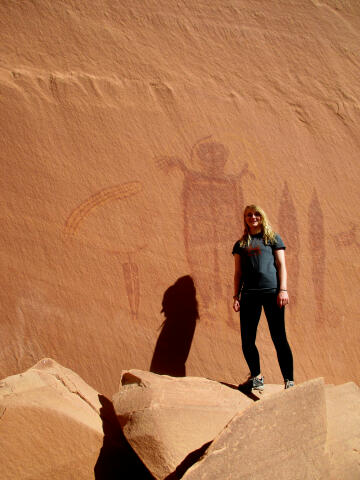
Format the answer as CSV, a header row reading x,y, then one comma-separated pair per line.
x,y
188,462
172,348
243,388
117,459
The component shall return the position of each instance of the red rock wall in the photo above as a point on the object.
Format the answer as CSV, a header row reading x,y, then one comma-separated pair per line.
x,y
132,137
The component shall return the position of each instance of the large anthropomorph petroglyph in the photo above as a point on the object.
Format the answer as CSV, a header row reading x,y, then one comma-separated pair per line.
x,y
211,202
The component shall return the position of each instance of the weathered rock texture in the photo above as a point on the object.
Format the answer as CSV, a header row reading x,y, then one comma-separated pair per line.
x,y
50,425
283,436
172,422
343,431
55,426
132,134
165,419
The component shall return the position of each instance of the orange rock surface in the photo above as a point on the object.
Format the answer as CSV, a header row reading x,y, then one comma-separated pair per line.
x,y
343,430
165,419
132,136
50,424
283,436
306,432
55,426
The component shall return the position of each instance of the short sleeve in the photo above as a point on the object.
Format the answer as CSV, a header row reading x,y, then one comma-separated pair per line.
x,y
279,244
236,248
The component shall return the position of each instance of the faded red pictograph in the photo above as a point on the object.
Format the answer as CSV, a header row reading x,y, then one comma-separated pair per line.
x,y
347,238
80,213
290,234
317,252
130,270
212,201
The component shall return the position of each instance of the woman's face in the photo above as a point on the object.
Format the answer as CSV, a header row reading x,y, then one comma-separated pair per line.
x,y
252,219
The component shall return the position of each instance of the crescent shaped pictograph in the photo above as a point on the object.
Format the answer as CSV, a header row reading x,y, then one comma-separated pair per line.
x,y
106,195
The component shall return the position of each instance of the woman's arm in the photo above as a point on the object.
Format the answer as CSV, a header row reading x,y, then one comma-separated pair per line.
x,y
237,282
283,297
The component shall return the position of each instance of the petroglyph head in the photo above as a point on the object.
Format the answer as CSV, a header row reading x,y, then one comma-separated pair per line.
x,y
213,156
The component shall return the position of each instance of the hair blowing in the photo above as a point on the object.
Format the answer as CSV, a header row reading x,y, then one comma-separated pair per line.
x,y
266,229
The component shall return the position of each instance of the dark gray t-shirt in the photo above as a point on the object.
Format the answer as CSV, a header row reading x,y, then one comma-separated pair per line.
x,y
259,273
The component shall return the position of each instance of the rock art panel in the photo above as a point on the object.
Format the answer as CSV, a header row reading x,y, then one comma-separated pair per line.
x,y
348,238
317,246
288,218
86,105
132,284
211,201
130,270
80,213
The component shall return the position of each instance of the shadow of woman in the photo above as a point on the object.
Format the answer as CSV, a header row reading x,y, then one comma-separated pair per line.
x,y
117,459
172,348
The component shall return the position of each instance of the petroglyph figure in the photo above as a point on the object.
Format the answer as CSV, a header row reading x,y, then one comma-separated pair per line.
x,y
80,213
347,238
129,269
287,215
317,251
132,282
212,200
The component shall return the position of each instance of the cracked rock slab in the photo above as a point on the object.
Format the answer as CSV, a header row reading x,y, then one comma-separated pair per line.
x,y
165,418
281,437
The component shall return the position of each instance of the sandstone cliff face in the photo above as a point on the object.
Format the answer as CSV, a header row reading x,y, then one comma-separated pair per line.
x,y
132,137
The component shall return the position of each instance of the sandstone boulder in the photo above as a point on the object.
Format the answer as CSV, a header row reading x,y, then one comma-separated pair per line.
x,y
50,424
165,419
283,436
343,430
55,426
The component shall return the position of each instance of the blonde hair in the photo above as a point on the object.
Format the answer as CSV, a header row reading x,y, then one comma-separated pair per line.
x,y
266,229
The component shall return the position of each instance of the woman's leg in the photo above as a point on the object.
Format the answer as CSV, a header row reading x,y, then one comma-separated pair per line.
x,y
276,321
250,311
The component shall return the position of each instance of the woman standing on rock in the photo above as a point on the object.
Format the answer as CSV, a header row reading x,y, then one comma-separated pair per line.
x,y
260,280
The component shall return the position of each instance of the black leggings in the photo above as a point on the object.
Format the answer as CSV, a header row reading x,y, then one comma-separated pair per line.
x,y
250,311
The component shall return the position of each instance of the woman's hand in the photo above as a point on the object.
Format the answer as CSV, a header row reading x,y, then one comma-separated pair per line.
x,y
237,282
282,298
236,305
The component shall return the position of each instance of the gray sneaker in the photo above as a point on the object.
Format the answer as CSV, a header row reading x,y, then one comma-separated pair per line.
x,y
289,384
252,383
257,383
